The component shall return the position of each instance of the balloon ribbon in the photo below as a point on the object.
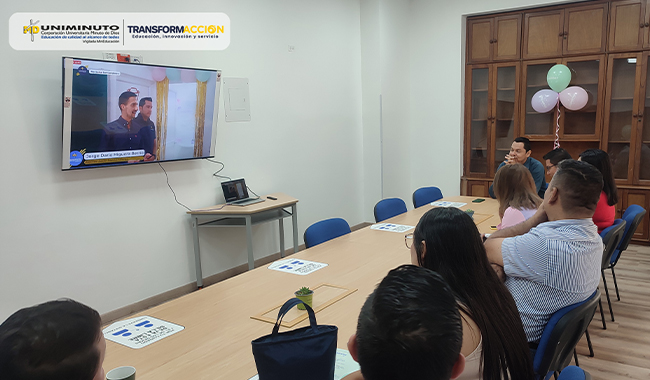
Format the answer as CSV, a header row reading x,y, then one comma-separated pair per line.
x,y
556,144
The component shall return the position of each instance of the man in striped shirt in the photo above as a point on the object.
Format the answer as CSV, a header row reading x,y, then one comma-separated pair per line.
x,y
552,260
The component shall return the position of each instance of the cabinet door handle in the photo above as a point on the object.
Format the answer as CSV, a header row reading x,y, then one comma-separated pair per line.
x,y
642,25
646,24
635,115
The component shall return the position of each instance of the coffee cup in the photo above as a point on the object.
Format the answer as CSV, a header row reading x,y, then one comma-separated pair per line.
x,y
121,373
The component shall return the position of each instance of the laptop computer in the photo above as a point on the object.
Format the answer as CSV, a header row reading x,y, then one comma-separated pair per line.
x,y
236,193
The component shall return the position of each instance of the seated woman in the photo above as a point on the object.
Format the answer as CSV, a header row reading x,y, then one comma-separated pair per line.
x,y
605,210
447,241
515,190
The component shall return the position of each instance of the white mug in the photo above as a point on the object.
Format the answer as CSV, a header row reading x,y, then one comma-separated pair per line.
x,y
121,373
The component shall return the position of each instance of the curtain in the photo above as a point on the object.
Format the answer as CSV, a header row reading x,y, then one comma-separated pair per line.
x,y
162,94
201,88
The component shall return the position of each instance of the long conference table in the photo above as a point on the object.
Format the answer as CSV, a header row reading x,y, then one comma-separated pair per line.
x,y
216,341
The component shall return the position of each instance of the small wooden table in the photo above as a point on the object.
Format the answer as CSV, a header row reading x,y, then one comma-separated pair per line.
x,y
247,216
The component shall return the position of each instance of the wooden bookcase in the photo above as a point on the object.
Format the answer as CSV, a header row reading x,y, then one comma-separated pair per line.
x,y
606,44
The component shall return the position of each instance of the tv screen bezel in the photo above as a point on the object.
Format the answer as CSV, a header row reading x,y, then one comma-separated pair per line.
x,y
66,89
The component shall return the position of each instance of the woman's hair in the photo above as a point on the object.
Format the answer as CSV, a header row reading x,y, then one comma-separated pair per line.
x,y
455,250
600,159
514,187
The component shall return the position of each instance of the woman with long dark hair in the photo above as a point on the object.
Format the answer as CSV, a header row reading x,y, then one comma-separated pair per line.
x,y
447,241
605,210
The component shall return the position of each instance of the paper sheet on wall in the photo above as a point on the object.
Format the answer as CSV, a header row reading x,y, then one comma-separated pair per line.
x,y
344,366
140,331
390,227
448,204
297,266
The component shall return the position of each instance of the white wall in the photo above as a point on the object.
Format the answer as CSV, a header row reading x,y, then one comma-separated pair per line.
x,y
111,237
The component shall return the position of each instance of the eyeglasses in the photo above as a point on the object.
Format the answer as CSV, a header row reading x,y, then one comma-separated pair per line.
x,y
408,240
550,167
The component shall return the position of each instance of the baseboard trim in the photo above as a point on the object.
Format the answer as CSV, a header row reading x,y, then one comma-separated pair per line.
x,y
161,298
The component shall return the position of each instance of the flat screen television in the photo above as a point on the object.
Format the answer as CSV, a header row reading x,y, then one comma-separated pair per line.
x,y
119,113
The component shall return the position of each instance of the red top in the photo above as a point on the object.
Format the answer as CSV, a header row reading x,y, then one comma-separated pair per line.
x,y
605,214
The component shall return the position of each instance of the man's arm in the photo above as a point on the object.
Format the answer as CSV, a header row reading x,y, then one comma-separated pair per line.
x,y
522,228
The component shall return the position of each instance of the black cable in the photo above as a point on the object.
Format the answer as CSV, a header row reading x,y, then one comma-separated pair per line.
x,y
170,188
216,174
249,189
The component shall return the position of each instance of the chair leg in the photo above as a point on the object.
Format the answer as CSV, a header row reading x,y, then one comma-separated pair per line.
x,y
591,348
602,316
618,297
609,303
575,357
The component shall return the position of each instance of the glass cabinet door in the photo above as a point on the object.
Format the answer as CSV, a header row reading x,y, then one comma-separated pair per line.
x,y
505,105
619,119
644,163
586,121
536,123
478,131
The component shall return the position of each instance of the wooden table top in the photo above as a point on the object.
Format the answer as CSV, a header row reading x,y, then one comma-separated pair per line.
x,y
216,342
282,200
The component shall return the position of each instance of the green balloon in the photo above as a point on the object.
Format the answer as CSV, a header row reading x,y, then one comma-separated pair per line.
x,y
558,78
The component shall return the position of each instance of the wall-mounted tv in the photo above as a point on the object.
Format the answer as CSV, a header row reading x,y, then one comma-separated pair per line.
x,y
119,113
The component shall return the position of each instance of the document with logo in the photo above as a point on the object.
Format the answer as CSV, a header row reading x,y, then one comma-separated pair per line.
x,y
297,266
448,204
140,331
344,366
391,227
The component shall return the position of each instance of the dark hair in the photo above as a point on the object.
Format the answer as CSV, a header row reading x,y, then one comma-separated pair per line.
x,y
600,159
525,141
580,184
145,99
557,155
454,249
514,187
124,98
54,341
409,327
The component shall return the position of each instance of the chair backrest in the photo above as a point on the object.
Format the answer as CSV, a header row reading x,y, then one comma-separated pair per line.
x,y
426,195
574,373
612,237
561,334
325,230
632,216
388,208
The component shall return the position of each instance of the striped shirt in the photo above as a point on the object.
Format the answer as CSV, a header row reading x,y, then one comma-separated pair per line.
x,y
554,265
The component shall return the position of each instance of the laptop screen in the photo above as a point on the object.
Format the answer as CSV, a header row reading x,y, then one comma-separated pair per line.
x,y
234,190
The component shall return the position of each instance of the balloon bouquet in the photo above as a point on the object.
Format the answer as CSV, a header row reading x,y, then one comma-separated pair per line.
x,y
573,98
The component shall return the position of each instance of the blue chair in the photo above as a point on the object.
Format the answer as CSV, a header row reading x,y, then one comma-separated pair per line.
x,y
426,195
633,217
612,237
574,373
388,208
325,230
561,334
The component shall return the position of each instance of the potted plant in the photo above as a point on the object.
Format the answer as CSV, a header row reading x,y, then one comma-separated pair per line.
x,y
305,295
470,212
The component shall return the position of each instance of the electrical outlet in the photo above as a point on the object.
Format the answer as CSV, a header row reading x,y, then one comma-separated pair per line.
x,y
110,56
291,48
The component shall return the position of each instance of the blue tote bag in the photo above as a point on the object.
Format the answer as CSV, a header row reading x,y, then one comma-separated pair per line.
x,y
306,353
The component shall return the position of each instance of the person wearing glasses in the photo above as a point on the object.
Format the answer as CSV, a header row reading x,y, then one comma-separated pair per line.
x,y
447,241
553,158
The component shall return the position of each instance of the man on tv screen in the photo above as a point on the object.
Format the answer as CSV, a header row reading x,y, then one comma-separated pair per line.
x,y
121,134
146,127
